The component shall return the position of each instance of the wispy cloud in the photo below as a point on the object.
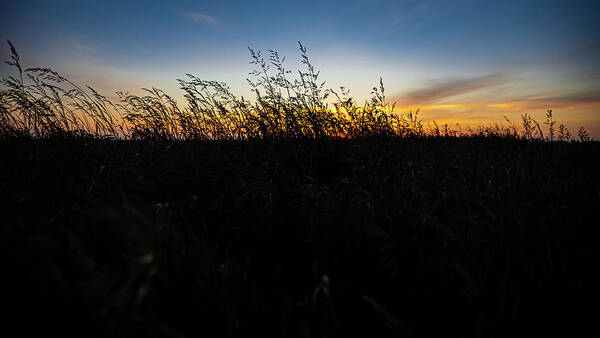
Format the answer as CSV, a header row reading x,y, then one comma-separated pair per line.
x,y
562,99
440,89
409,14
403,15
201,18
487,99
82,47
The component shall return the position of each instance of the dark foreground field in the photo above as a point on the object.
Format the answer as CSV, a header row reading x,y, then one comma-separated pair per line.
x,y
418,237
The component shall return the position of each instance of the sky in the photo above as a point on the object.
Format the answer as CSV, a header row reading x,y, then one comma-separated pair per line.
x,y
466,61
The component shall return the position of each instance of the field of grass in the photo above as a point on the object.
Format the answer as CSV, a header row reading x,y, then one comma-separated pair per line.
x,y
385,237
286,217
39,102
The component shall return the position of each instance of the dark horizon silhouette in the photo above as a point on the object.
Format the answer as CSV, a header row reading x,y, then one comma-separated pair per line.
x,y
314,169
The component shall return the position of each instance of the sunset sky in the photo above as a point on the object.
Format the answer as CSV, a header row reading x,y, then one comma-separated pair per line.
x,y
462,61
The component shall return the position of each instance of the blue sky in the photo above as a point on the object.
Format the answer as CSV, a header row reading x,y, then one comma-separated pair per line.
x,y
462,60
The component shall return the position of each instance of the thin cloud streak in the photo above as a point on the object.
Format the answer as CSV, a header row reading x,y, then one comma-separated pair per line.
x,y
563,99
441,89
201,18
82,47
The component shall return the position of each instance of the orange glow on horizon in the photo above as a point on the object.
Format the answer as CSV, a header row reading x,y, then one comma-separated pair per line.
x,y
473,114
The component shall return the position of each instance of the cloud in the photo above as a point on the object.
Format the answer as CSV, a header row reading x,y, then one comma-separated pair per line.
x,y
82,47
201,18
561,99
440,89
410,14
404,15
488,99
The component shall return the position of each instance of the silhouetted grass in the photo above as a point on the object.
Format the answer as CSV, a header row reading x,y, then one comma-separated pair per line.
x,y
286,217
429,237
39,102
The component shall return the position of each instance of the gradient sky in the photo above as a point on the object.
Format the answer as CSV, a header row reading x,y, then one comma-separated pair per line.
x,y
462,61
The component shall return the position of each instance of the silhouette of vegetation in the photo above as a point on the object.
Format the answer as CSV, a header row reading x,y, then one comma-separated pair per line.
x,y
288,216
41,103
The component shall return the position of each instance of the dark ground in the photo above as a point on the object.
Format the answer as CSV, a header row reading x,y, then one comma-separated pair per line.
x,y
384,237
